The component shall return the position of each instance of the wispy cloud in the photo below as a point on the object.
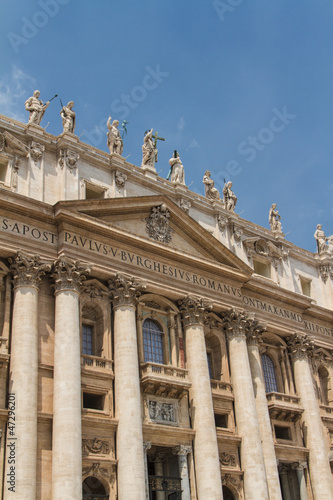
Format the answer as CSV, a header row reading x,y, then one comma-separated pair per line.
x,y
181,124
13,90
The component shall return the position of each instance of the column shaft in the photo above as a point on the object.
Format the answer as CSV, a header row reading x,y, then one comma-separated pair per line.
x,y
207,467
23,385
131,471
264,424
252,459
67,437
319,469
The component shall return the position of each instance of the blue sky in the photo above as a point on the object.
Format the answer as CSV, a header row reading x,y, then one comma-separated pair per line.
x,y
242,88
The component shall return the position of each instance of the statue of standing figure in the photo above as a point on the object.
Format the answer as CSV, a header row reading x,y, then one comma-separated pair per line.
x,y
149,152
321,239
229,198
274,219
210,191
36,108
68,118
176,174
115,142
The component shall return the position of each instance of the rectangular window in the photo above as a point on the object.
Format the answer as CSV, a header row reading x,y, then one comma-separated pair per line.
x,y
221,420
93,401
262,268
305,286
87,339
3,170
282,432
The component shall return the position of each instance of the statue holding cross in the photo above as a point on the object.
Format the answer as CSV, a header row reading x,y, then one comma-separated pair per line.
x,y
149,149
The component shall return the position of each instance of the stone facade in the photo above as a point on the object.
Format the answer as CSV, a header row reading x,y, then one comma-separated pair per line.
x,y
153,343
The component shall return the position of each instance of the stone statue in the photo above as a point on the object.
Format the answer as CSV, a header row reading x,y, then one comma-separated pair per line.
x,y
176,174
274,219
229,198
149,152
321,239
36,108
210,191
115,142
68,117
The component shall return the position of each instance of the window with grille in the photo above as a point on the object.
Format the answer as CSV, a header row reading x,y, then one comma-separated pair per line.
x,y
152,341
87,339
269,373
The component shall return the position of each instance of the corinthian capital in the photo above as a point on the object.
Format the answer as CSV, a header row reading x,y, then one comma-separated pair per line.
x,y
234,323
193,310
254,331
125,290
300,346
68,274
27,269
182,449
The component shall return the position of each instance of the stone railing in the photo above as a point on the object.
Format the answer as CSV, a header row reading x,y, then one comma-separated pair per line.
x,y
326,412
163,370
95,362
221,388
284,406
164,380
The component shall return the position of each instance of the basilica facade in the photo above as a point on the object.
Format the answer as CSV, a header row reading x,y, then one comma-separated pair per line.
x,y
154,345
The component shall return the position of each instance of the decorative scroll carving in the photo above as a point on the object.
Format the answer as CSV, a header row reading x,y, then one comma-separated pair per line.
x,y
28,270
234,323
16,163
158,225
68,158
326,271
125,290
236,482
96,446
227,460
300,346
162,412
185,205
193,310
146,446
96,470
36,151
94,290
254,331
238,232
222,223
120,179
68,274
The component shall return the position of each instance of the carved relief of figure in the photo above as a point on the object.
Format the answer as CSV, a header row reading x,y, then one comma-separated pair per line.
x,y
210,191
321,239
68,117
149,152
115,142
176,174
36,108
274,219
230,199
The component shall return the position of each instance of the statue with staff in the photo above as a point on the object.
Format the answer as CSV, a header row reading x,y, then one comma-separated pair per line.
x,y
36,108
68,117
149,149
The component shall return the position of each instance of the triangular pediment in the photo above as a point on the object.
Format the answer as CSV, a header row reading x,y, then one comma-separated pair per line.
x,y
159,221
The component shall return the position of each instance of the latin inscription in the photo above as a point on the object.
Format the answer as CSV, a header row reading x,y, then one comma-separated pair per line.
x,y
272,309
27,230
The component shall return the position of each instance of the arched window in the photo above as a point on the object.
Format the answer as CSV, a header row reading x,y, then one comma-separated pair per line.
x,y
323,385
152,341
269,373
227,494
92,489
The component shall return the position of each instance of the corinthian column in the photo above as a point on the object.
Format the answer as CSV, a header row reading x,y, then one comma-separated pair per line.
x,y
252,459
253,333
130,456
300,348
23,382
67,438
207,466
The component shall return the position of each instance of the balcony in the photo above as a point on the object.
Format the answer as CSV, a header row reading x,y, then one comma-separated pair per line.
x,y
284,407
95,363
163,380
170,487
326,413
221,389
